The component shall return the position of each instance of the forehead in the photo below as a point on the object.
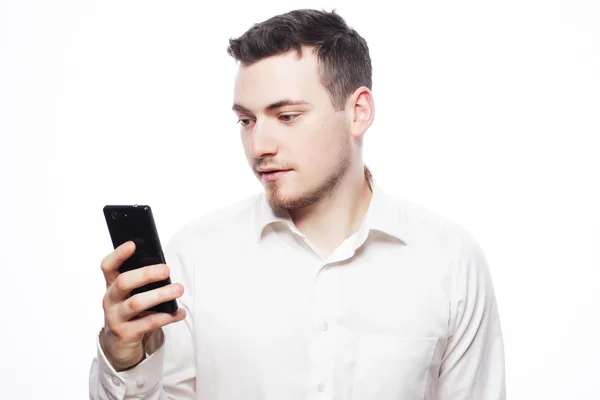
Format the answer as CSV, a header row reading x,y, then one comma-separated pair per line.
x,y
285,76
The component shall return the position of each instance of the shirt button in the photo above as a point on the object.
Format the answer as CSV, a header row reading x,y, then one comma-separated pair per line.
x,y
140,381
321,387
116,381
325,326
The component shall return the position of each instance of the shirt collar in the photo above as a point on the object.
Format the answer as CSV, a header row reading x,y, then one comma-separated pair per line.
x,y
382,215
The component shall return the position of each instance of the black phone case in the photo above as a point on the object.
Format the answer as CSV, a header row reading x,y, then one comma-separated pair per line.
x,y
136,223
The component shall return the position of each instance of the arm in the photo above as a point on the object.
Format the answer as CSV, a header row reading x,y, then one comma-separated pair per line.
x,y
168,371
473,363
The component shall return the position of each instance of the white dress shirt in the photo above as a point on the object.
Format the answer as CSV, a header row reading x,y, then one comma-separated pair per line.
x,y
403,309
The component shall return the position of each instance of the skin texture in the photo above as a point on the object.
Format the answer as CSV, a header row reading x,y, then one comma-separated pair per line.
x,y
325,192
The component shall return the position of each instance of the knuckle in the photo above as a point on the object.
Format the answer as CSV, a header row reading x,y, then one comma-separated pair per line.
x,y
164,293
155,296
147,273
110,322
105,303
120,283
121,331
111,319
118,330
154,321
134,303
104,265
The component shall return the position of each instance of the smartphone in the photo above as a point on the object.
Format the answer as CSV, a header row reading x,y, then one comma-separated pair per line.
x,y
136,223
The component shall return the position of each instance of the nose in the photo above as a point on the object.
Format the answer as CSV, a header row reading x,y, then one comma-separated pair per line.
x,y
262,142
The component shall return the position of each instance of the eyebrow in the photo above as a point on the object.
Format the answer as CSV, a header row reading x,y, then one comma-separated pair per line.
x,y
270,107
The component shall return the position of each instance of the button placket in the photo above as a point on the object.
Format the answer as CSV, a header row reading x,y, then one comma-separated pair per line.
x,y
323,351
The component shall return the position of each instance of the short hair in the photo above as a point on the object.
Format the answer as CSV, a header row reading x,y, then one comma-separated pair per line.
x,y
342,54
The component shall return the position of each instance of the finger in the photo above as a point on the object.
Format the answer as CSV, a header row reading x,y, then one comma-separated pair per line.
x,y
127,281
112,261
143,301
141,326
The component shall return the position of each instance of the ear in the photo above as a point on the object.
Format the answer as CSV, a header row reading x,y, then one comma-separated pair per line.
x,y
361,111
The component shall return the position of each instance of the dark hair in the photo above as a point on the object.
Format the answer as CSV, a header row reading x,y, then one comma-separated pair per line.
x,y
342,54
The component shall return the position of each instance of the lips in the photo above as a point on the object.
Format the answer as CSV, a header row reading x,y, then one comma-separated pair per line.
x,y
273,175
274,171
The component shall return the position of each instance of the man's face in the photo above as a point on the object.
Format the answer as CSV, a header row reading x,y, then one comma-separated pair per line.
x,y
308,139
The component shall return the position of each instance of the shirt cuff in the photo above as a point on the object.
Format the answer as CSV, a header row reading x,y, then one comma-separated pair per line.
x,y
137,381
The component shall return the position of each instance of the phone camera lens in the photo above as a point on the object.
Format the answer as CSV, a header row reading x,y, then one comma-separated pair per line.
x,y
114,215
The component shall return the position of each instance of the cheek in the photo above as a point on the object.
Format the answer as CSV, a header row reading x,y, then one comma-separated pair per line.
x,y
319,148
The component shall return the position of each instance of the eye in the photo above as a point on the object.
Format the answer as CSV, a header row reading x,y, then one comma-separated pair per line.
x,y
244,121
288,117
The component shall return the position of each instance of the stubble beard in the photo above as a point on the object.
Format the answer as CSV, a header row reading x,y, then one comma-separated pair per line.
x,y
308,196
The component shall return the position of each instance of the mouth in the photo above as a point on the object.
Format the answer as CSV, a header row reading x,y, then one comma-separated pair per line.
x,y
271,171
270,176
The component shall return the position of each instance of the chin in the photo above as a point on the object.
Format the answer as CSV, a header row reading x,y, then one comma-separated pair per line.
x,y
280,196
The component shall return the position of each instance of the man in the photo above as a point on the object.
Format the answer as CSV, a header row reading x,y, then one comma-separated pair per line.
x,y
323,286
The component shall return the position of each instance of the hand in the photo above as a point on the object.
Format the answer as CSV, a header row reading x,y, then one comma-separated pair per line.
x,y
126,326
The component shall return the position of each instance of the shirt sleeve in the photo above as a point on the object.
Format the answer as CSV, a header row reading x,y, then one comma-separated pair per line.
x,y
169,371
473,363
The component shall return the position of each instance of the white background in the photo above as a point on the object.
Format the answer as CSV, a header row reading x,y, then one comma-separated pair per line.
x,y
487,113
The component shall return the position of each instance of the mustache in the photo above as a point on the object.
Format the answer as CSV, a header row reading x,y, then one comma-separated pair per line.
x,y
270,164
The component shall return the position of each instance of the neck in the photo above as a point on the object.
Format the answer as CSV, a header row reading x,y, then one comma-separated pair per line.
x,y
336,217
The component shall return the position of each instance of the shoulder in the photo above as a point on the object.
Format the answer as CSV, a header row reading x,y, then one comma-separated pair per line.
x,y
430,227
446,240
